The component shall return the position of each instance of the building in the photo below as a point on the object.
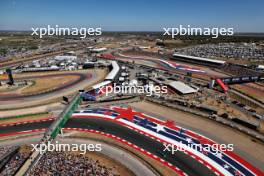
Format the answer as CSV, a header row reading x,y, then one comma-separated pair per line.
x,y
98,50
65,58
115,69
181,87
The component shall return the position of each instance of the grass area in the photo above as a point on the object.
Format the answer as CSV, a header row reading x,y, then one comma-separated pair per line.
x,y
23,118
30,74
249,92
25,40
108,45
46,84
24,115
224,108
175,43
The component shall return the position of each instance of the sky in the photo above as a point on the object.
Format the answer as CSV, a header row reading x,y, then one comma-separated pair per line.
x,y
133,15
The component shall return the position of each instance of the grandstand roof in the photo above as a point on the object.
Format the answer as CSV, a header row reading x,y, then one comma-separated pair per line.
x,y
182,87
260,67
113,72
61,58
98,49
200,58
101,84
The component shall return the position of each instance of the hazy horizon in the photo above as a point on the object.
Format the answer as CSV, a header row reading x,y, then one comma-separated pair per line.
x,y
147,15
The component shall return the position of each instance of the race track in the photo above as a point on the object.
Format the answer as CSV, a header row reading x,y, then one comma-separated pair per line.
x,y
179,159
149,134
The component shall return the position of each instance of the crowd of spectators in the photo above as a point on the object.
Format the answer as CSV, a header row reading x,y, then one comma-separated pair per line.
x,y
67,163
14,163
5,149
239,70
225,50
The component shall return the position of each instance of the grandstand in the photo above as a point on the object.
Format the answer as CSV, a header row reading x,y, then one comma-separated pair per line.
x,y
60,163
198,60
55,68
114,72
101,84
109,79
98,50
240,70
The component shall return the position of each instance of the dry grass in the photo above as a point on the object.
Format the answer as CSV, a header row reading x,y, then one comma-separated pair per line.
x,y
46,84
109,45
23,119
101,73
250,92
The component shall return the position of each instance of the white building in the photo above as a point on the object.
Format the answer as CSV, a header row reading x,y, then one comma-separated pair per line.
x,y
64,58
181,87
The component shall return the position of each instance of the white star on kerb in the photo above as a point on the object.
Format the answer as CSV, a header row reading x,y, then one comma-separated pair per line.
x,y
219,155
159,128
226,166
189,140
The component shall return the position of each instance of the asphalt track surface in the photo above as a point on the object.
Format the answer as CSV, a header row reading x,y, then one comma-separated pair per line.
x,y
160,64
179,159
81,76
